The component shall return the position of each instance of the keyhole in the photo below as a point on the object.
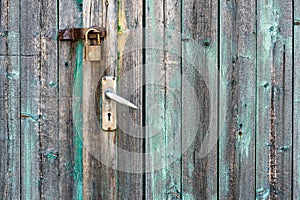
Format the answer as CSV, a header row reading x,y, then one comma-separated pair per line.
x,y
109,115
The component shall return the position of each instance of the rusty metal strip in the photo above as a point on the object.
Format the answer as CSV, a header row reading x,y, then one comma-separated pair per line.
x,y
74,34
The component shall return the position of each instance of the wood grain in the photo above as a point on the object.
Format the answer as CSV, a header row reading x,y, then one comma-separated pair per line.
x,y
10,101
70,119
235,80
155,126
274,99
130,136
238,82
296,104
99,147
49,104
199,99
31,157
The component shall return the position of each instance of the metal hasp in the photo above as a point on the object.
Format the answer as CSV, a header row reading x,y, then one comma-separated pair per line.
x,y
74,34
109,100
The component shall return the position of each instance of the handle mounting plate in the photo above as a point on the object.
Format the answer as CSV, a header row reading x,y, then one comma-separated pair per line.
x,y
109,108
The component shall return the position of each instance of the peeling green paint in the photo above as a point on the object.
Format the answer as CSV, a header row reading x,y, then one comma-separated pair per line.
x,y
32,117
79,5
14,75
77,92
52,155
53,84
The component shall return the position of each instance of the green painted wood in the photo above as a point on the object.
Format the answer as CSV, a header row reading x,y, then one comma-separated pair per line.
x,y
163,97
172,100
296,103
199,96
31,157
274,100
10,101
70,94
237,89
130,80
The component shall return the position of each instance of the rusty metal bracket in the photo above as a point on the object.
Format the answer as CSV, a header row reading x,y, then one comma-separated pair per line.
x,y
74,34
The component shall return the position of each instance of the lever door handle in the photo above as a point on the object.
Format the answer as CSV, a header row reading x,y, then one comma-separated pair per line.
x,y
109,94
109,101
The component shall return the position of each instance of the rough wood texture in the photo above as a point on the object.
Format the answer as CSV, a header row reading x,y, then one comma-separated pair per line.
x,y
51,142
237,89
130,79
200,102
70,120
31,159
99,147
49,107
10,101
274,100
157,182
296,103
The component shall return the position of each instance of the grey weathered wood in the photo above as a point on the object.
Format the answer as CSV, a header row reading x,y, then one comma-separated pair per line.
x,y
296,103
10,128
41,123
49,107
31,157
283,103
99,147
10,101
237,93
199,96
274,83
3,28
130,81
70,124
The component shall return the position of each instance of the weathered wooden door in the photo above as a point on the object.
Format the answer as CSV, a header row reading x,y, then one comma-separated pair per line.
x,y
168,66
216,84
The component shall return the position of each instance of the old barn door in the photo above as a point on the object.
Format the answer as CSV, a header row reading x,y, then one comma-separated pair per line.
x,y
167,66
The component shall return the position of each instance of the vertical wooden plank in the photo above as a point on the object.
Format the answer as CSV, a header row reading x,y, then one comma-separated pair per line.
x,y
163,99
30,99
3,118
99,147
296,102
283,87
70,124
237,90
3,26
172,100
49,102
155,101
3,129
130,81
10,99
200,99
274,99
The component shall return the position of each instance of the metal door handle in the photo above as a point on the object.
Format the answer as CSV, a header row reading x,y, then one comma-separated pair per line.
x,y
109,101
109,94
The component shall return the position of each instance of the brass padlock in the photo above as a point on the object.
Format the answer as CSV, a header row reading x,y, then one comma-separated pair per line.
x,y
92,52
